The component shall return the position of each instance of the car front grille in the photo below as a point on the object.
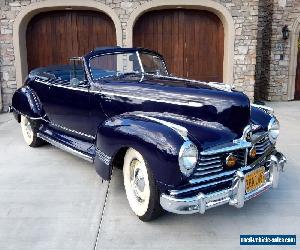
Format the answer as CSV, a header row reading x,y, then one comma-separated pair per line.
x,y
213,164
263,145
209,165
211,170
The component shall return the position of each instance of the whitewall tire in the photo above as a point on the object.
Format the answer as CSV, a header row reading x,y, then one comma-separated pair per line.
x,y
29,133
141,189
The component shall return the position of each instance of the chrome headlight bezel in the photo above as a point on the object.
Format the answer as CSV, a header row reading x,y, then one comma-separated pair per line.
x,y
188,157
273,129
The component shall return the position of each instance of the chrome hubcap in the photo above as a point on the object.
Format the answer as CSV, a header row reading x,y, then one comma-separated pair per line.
x,y
137,180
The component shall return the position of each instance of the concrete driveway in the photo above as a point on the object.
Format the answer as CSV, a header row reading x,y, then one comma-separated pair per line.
x,y
52,200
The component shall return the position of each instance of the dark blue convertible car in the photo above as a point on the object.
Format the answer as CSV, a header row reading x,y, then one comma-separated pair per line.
x,y
184,146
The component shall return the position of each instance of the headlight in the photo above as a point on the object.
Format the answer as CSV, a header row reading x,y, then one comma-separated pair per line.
x,y
188,156
273,129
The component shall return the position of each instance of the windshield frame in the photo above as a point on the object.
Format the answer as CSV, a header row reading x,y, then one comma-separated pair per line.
x,y
137,52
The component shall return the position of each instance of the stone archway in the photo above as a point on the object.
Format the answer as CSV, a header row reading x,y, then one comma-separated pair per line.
x,y
207,5
295,31
23,18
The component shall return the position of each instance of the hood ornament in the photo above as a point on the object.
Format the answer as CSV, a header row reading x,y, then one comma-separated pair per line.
x,y
248,133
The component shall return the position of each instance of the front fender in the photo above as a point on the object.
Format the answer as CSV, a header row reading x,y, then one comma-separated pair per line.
x,y
158,144
260,117
26,102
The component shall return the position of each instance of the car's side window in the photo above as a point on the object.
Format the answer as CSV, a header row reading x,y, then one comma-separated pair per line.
x,y
72,75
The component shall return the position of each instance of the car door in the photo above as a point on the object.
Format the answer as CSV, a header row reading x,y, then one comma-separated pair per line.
x,y
68,109
68,102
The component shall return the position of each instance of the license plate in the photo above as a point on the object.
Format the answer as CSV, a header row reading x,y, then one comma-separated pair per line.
x,y
255,179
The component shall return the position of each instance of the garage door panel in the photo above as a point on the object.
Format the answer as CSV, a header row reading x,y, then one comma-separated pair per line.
x,y
53,37
204,38
191,41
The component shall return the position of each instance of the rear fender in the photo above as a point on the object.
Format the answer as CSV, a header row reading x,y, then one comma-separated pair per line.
x,y
159,145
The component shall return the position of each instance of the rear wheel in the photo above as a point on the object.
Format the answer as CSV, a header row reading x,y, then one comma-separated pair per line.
x,y
29,133
141,189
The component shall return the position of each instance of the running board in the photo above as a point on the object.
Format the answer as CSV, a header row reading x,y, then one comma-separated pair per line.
x,y
65,148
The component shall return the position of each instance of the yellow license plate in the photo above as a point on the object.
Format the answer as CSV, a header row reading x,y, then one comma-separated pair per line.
x,y
255,179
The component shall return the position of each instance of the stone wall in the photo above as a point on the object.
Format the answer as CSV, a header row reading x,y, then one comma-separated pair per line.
x,y
285,12
263,49
244,13
8,12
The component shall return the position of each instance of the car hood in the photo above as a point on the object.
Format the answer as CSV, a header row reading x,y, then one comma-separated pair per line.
x,y
204,133
212,116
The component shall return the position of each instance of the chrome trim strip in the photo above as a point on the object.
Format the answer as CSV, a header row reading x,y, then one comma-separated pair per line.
x,y
209,162
103,157
266,109
208,167
72,131
181,191
212,177
65,148
210,158
216,85
190,104
182,131
226,148
36,118
82,89
241,143
140,61
208,171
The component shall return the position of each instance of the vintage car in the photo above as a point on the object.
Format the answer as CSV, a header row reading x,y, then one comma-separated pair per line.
x,y
184,146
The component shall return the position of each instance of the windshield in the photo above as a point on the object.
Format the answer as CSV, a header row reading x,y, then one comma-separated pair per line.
x,y
114,65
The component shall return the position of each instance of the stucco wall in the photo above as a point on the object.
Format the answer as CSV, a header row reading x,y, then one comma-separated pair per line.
x,y
245,18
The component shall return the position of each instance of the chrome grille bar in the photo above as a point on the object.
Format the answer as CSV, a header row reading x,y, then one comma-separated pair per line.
x,y
212,162
262,145
210,171
208,167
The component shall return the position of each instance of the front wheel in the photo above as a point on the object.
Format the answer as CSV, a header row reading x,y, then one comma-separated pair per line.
x,y
141,189
29,133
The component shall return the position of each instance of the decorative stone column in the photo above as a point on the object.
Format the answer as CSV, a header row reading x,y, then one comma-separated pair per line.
x,y
282,55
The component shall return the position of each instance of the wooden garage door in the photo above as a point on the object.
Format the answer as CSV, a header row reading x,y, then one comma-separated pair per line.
x,y
191,41
53,37
297,83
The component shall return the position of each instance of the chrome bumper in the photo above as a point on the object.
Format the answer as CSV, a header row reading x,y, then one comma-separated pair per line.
x,y
235,196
